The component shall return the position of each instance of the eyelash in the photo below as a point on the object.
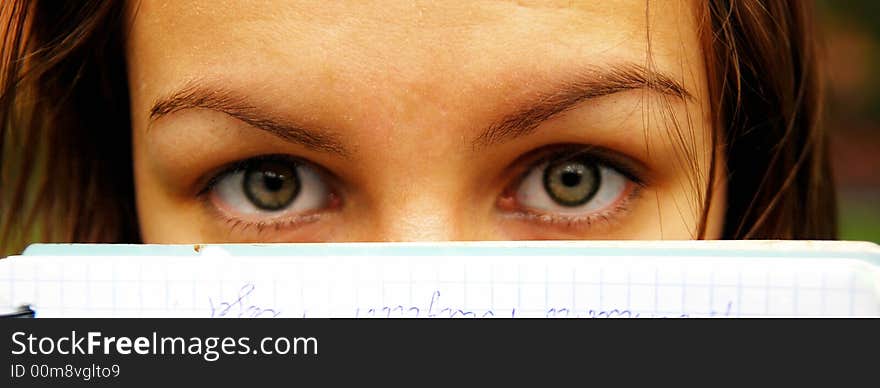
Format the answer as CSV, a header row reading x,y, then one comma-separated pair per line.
x,y
261,226
582,222
628,168
233,224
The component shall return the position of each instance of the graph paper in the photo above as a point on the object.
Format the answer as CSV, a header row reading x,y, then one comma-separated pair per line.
x,y
442,280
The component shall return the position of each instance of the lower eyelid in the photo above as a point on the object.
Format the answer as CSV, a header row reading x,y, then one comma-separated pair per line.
x,y
288,223
606,217
239,228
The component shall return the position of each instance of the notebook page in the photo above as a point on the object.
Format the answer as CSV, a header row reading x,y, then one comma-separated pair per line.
x,y
439,280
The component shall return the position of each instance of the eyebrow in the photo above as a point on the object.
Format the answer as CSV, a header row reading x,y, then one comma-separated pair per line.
x,y
585,85
195,95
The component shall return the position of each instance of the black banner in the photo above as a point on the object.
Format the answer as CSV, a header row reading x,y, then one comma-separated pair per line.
x,y
408,352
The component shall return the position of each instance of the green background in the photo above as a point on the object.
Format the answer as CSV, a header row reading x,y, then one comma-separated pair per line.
x,y
851,39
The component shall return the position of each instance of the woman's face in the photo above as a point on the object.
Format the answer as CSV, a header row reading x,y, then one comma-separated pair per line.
x,y
398,121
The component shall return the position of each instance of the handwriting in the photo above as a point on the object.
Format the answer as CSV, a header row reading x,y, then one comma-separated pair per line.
x,y
240,307
433,308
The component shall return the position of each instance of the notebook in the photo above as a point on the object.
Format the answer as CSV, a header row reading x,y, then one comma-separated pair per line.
x,y
561,279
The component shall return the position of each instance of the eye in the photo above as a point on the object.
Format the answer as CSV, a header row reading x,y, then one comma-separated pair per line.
x,y
578,186
270,187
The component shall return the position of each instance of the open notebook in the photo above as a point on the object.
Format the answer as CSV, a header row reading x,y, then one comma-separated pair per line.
x,y
479,279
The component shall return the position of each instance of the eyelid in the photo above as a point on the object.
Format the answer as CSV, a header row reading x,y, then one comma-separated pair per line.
x,y
636,173
631,168
595,222
210,179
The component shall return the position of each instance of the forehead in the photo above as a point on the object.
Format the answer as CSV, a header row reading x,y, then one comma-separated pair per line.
x,y
402,54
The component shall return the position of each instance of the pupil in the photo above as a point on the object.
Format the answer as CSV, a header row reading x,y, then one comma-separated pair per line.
x,y
571,178
272,181
271,185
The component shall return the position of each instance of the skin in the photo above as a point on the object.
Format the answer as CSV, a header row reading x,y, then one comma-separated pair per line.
x,y
407,89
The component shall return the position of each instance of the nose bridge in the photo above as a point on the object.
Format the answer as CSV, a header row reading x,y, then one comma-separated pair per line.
x,y
417,184
419,210
420,226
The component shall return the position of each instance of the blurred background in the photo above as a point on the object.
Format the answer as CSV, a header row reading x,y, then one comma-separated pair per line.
x,y
851,31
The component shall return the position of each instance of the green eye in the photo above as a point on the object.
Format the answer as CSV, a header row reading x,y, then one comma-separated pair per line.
x,y
572,182
271,185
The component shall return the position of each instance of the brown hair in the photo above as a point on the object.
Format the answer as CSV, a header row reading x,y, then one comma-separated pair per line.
x,y
65,135
65,140
766,94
